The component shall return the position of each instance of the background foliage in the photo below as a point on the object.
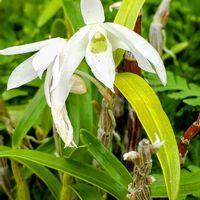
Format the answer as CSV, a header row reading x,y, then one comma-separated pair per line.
x,y
24,22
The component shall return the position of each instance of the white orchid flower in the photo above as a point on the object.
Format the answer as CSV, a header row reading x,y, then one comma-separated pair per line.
x,y
96,42
50,56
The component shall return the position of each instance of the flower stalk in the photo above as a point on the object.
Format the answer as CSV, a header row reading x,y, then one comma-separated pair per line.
x,y
107,122
66,192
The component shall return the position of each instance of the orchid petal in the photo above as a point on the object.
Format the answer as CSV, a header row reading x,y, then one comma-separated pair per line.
x,y
102,65
55,73
78,85
46,55
135,41
23,74
47,85
74,54
143,63
63,126
92,11
32,47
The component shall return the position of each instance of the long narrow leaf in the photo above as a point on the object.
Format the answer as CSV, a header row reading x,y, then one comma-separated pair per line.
x,y
44,174
71,167
106,159
31,114
86,192
154,120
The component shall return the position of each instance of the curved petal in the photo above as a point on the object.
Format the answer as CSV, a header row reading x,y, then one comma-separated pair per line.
x,y
102,65
23,74
32,47
135,41
46,55
47,85
63,126
74,54
92,11
143,63
78,85
55,73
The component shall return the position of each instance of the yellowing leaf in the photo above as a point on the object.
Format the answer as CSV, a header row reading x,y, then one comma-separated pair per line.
x,y
154,120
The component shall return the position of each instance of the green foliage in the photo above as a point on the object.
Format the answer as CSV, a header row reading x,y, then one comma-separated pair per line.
x,y
34,110
33,20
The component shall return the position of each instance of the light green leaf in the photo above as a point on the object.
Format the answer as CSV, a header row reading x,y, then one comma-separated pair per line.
x,y
154,120
86,192
52,8
10,94
71,167
128,12
106,159
127,16
31,114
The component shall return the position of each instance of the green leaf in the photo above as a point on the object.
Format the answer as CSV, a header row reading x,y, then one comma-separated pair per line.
x,y
86,192
71,167
178,88
52,8
176,49
31,114
72,15
189,185
10,94
127,16
45,175
154,120
128,13
106,159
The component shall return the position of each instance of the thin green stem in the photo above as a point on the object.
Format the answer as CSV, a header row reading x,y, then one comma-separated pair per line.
x,y
65,193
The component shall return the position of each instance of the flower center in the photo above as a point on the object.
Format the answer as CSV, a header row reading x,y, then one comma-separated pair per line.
x,y
98,43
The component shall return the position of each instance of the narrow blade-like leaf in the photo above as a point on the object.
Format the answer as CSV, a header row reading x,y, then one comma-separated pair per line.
x,y
106,159
154,120
71,167
31,114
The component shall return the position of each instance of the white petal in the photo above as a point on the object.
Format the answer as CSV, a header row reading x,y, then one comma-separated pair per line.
x,y
55,73
102,65
47,85
26,48
46,55
23,74
135,41
74,54
78,85
142,61
63,126
92,11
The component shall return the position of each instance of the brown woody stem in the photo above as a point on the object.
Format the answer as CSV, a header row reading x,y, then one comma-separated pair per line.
x,y
190,133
